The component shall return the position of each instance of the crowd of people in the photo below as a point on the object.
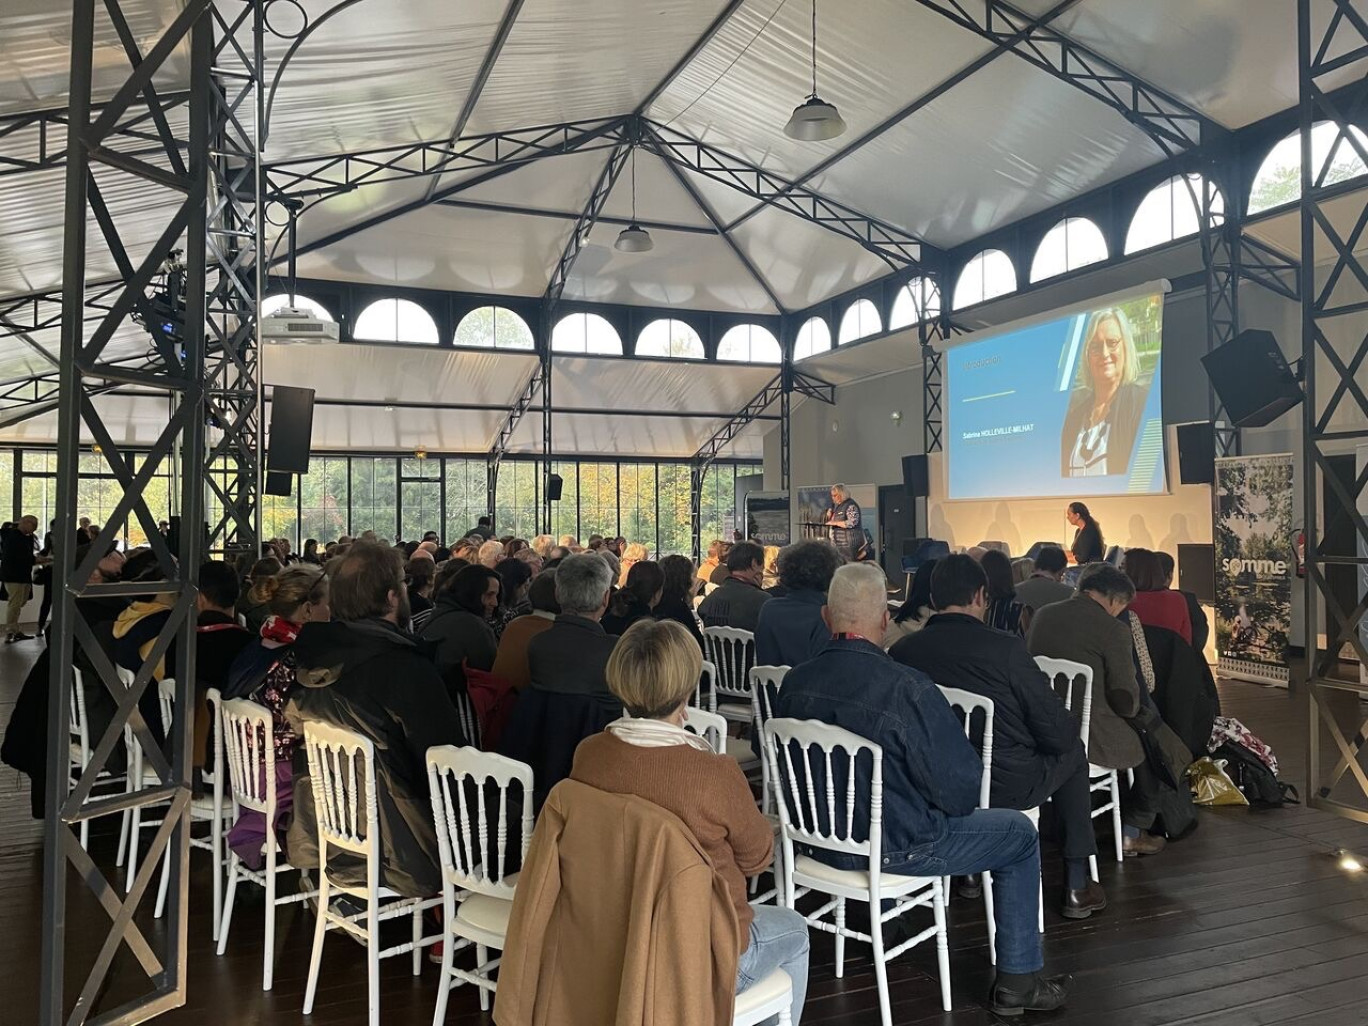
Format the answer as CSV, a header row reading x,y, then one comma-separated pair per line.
x,y
534,649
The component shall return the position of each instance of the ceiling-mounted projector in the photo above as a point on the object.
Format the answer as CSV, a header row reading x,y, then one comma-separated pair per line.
x,y
292,326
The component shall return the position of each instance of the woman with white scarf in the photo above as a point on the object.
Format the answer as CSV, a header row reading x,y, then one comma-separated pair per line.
x,y
648,753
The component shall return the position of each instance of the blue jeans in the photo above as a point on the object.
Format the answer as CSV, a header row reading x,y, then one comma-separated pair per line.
x,y
778,940
1005,844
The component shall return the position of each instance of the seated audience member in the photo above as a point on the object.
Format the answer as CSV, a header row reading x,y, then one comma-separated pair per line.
x,y
631,555
513,546
534,562
712,561
490,553
311,551
265,672
510,663
466,552
1037,750
360,671
721,571
459,629
568,697
975,552
136,628
419,575
737,600
1154,603
1086,630
252,602
541,545
515,577
770,581
648,753
790,629
595,542
1044,585
1022,569
1201,626
614,564
916,608
219,639
1004,611
636,598
483,530
676,595
568,541
558,555
931,774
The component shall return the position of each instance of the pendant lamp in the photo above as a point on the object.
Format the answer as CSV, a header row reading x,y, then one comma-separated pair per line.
x,y
814,119
634,238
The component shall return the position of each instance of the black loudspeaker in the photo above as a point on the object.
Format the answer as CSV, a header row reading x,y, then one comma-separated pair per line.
x,y
1197,571
1196,453
291,430
554,484
1252,378
916,475
278,482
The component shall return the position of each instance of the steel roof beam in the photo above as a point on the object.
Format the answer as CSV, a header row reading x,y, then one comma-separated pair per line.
x,y
37,140
584,224
572,215
754,410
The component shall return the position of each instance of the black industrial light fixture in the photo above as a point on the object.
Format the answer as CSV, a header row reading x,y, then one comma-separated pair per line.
x,y
814,120
634,238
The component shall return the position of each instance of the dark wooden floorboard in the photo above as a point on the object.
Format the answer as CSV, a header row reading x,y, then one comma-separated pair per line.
x,y
1249,922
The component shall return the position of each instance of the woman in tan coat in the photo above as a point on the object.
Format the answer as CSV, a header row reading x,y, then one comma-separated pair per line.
x,y
648,753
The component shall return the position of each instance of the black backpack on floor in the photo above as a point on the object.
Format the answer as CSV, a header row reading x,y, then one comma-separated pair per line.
x,y
1254,778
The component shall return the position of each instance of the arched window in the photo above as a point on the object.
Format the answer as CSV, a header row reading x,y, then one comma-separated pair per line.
x,y
396,320
749,343
669,338
280,301
1073,243
1170,212
1332,156
917,301
813,337
988,275
860,320
585,333
493,327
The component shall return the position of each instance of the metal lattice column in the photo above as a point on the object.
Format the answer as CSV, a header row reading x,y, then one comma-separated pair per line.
x,y
1220,243
1334,296
170,305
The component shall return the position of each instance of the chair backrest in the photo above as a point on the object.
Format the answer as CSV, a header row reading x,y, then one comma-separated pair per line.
x,y
732,651
708,677
968,703
166,701
710,726
248,739
474,838
818,782
79,729
1066,678
765,683
1001,546
342,771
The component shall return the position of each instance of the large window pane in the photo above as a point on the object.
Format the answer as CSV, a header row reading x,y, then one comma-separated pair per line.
x,y
598,500
637,486
565,512
324,499
373,496
675,518
466,497
7,484
515,499
420,498
280,517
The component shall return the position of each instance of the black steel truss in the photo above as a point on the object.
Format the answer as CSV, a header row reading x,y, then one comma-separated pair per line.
x,y
1334,294
37,140
584,224
1171,124
175,367
1220,243
538,382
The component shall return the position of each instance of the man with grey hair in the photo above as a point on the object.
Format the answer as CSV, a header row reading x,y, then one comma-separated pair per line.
x,y
568,697
847,533
18,557
932,825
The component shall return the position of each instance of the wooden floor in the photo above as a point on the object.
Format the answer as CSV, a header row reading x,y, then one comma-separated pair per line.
x,y
1247,922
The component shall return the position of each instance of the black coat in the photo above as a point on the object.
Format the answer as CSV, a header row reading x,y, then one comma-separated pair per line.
x,y
457,638
571,657
370,677
1088,546
681,613
18,554
1032,731
623,613
1184,689
547,726
1201,626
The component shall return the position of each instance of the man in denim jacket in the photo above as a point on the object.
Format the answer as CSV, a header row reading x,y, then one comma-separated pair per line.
x,y
932,825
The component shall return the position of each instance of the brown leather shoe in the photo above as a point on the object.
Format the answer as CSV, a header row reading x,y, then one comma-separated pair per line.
x,y
1145,844
1082,903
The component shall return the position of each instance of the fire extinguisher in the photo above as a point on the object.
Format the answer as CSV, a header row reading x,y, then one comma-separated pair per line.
x,y
1299,553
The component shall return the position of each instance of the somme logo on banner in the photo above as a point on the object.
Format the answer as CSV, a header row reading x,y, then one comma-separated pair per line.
x,y
1254,539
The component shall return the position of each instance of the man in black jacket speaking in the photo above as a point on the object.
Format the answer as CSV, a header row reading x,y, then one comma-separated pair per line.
x,y
1037,749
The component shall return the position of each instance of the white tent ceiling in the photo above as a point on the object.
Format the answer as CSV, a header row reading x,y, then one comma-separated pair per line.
x,y
1000,144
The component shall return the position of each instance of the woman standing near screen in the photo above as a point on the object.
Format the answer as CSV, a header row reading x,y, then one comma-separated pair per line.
x,y
1087,546
1107,405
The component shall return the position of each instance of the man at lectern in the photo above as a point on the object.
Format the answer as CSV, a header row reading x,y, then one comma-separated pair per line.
x,y
844,518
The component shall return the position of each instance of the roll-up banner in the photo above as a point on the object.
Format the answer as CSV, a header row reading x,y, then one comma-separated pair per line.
x,y
1254,566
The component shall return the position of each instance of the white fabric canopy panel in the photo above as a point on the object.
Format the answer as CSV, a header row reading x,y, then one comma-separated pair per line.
x,y
599,435
608,384
850,363
660,197
353,429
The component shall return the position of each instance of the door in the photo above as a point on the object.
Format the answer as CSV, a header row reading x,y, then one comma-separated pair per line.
x,y
897,524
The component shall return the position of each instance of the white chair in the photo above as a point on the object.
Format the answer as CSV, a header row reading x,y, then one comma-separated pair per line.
x,y
708,676
732,652
470,723
1069,678
459,778
765,682
78,754
766,998
246,736
140,777
819,811
968,703
342,772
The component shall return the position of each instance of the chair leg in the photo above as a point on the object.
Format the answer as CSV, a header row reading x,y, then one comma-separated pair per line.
x,y
417,939
216,852
880,965
840,934
1040,906
373,958
989,915
268,955
227,923
123,838
1116,815
320,927
943,940
481,957
161,887
1092,869
448,942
